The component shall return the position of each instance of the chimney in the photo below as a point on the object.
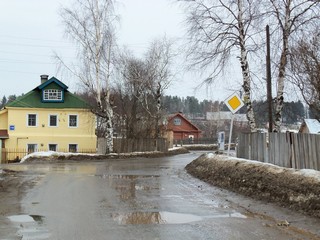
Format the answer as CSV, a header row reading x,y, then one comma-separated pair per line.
x,y
44,78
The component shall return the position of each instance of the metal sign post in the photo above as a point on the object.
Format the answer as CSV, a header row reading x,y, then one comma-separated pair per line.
x,y
221,141
234,103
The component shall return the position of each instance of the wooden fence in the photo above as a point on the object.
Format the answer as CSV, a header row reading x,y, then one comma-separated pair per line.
x,y
124,145
196,141
291,150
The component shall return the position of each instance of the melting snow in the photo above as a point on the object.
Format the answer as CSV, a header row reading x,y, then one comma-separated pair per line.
x,y
52,154
271,167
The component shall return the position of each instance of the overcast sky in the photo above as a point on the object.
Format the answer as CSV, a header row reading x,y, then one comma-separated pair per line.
x,y
31,31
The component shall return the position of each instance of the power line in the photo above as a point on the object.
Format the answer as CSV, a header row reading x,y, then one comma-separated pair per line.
x,y
34,39
32,45
22,61
2,70
29,54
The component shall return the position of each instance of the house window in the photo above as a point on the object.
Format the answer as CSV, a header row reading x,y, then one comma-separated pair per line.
x,y
52,95
53,120
53,147
32,120
177,121
73,147
32,148
73,120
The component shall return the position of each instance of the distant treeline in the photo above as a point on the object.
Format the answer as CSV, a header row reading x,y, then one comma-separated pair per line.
x,y
293,112
5,100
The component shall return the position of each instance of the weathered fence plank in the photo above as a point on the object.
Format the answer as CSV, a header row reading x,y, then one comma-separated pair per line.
x,y
125,145
289,150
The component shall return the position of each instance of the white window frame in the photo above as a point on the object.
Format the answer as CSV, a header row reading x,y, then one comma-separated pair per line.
x,y
53,144
52,95
49,123
36,147
177,121
73,144
28,119
77,123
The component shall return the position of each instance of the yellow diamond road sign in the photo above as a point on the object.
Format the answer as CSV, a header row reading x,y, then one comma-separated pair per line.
x,y
234,102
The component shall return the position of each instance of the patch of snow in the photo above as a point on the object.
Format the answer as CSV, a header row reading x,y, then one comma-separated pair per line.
x,y
309,173
51,154
313,125
271,167
210,155
174,148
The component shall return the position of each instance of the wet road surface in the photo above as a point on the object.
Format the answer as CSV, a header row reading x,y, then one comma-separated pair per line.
x,y
143,198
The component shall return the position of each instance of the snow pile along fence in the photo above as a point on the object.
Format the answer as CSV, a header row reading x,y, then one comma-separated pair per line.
x,y
16,154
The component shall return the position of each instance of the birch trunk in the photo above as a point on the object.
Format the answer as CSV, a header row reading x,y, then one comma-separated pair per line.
x,y
282,69
109,104
280,89
109,128
245,70
158,109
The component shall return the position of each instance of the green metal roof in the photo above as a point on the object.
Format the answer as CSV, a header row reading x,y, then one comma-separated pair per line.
x,y
32,99
55,81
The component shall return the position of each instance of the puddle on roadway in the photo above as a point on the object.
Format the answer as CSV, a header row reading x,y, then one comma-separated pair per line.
x,y
58,168
30,226
166,217
128,177
26,218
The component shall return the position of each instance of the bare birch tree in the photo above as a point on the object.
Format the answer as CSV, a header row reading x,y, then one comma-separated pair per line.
x,y
159,59
129,87
144,81
293,17
216,30
305,68
90,24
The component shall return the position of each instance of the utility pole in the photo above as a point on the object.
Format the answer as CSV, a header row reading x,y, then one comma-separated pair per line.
x,y
268,73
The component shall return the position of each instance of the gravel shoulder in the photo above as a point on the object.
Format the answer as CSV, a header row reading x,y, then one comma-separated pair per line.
x,y
297,190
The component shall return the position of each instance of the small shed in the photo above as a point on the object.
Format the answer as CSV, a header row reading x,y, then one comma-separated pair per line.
x,y
310,126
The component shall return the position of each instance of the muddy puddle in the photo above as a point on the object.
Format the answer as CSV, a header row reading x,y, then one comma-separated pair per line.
x,y
167,217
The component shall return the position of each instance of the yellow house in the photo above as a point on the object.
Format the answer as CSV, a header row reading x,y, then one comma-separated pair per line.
x,y
48,117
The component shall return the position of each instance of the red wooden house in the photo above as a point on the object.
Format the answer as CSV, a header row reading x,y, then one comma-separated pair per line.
x,y
182,128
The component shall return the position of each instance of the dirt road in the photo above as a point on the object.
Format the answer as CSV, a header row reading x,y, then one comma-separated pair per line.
x,y
139,198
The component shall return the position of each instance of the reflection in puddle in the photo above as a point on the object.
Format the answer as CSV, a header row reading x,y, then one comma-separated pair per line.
x,y
57,168
21,218
166,217
129,177
26,218
37,218
30,226
129,185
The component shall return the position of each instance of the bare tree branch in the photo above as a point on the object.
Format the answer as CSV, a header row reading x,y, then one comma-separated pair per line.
x,y
90,24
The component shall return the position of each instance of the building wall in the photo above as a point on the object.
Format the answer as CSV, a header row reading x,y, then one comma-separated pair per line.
x,y
20,134
182,131
3,119
185,135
